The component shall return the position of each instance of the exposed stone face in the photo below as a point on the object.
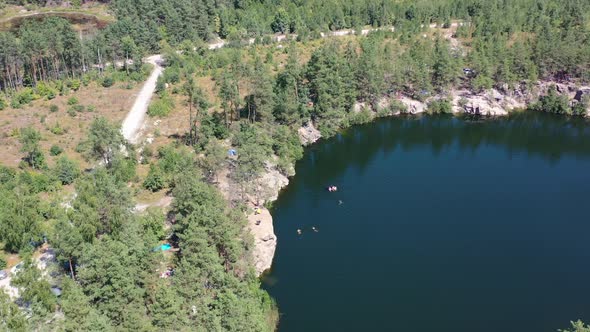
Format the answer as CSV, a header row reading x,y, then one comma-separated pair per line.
x,y
491,103
265,240
414,106
308,134
261,225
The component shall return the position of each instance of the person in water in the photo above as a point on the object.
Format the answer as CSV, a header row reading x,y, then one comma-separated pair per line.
x,y
314,229
298,231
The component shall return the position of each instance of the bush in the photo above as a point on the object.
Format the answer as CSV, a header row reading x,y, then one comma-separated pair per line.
x,y
161,107
441,106
55,150
154,180
71,112
23,97
3,263
107,82
72,101
2,103
66,170
45,90
38,182
57,130
78,108
91,108
553,102
53,108
74,84
146,154
364,116
286,144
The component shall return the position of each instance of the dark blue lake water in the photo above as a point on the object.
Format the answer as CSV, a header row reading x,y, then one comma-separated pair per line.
x,y
439,224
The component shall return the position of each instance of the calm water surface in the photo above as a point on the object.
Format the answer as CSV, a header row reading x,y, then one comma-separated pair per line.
x,y
444,224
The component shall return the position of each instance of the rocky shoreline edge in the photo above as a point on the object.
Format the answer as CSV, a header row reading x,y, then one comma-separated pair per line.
x,y
493,102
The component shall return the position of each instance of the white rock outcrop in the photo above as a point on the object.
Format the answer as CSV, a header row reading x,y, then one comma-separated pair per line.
x,y
308,134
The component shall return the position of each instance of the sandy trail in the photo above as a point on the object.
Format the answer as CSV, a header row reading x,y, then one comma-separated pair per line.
x,y
134,119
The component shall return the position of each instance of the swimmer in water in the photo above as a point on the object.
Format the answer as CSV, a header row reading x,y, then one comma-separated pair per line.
x,y
298,231
314,229
340,202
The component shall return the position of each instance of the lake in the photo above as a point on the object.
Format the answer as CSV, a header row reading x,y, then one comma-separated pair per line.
x,y
439,224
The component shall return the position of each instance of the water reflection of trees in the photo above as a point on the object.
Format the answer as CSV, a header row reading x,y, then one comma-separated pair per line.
x,y
546,136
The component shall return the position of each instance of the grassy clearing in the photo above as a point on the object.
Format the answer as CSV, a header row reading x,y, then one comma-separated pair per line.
x,y
67,126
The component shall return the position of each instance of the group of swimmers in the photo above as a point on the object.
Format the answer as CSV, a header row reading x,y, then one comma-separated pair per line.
x,y
299,231
330,189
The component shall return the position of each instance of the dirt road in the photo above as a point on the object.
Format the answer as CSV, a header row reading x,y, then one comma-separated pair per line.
x,y
134,120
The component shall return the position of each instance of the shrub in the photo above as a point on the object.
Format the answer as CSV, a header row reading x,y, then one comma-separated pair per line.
x,y
55,150
154,180
57,129
553,102
146,154
78,108
71,112
38,182
23,97
91,108
72,101
86,79
3,263
107,82
2,103
364,116
74,84
66,170
441,106
45,90
162,106
53,108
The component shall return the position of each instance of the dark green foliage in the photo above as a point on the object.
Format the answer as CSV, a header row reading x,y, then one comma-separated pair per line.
x,y
66,170
553,103
29,139
72,101
211,259
123,168
2,263
103,204
107,81
34,289
53,108
286,144
173,162
153,225
79,314
155,179
55,150
441,106
12,317
331,86
104,140
19,218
